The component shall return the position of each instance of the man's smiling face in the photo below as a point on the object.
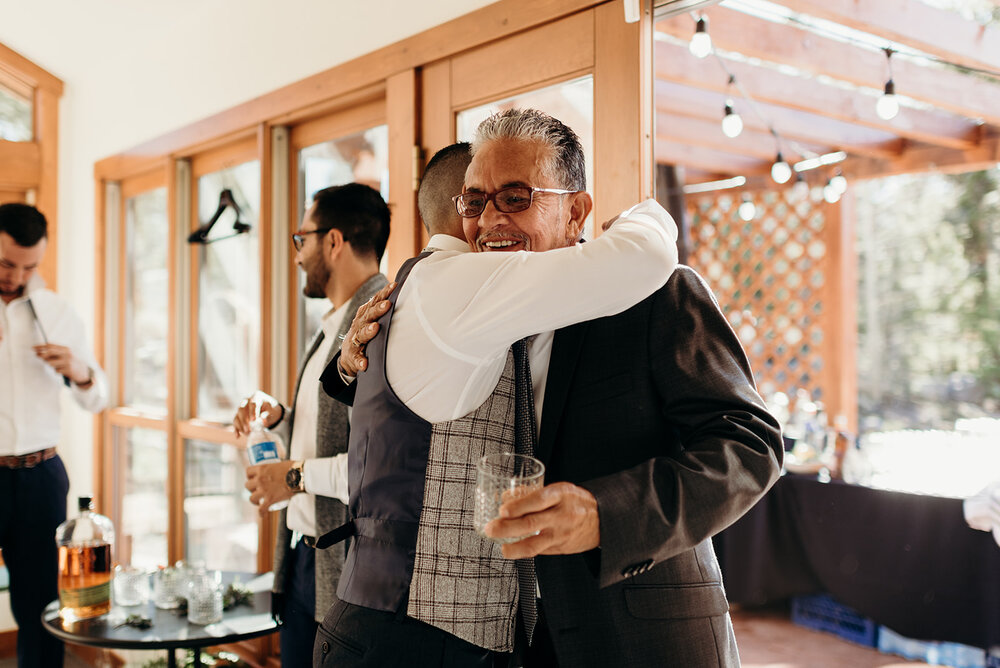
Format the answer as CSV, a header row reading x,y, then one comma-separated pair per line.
x,y
548,223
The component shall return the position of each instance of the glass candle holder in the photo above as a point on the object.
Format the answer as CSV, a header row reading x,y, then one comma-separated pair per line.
x,y
130,586
204,597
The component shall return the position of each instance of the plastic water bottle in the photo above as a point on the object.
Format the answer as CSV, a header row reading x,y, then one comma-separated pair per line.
x,y
264,446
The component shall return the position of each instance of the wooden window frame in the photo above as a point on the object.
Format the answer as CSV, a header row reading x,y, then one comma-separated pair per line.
x,y
29,171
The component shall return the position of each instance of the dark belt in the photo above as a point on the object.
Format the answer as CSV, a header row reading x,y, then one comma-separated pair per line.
x,y
28,461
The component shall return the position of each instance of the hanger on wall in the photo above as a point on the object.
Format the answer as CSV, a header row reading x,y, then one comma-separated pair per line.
x,y
200,236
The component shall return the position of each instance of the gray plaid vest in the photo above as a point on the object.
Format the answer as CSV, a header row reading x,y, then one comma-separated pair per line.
x,y
411,507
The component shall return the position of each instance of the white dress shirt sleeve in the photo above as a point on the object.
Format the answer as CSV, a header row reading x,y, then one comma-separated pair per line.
x,y
327,476
477,304
458,312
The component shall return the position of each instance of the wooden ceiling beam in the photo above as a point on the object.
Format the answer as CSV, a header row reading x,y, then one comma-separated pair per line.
x,y
708,160
675,63
814,54
708,133
677,99
929,159
935,31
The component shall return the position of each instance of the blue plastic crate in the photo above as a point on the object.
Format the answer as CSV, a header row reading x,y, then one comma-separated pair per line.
x,y
823,613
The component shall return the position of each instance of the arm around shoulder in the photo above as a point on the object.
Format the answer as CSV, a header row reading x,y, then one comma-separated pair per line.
x,y
334,384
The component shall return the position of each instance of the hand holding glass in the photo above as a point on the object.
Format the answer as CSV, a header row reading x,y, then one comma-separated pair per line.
x,y
502,477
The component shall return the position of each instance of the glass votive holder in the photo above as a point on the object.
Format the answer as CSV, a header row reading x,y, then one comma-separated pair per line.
x,y
130,586
204,597
169,588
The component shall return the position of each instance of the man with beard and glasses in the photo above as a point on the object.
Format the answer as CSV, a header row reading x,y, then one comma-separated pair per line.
x,y
43,348
339,246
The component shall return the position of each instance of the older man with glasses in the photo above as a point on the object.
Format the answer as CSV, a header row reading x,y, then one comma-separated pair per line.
x,y
652,435
339,247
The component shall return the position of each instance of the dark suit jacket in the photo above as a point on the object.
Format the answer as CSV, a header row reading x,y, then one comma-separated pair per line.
x,y
654,411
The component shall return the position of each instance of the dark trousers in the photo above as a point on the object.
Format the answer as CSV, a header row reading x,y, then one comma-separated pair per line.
x,y
352,636
298,630
541,653
32,505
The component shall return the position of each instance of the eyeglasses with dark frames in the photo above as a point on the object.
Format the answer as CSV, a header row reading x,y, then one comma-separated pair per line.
x,y
506,200
299,238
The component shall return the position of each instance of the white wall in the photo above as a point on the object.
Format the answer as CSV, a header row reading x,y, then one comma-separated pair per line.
x,y
135,69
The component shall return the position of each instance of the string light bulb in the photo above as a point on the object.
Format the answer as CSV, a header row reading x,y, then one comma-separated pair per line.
x,y
732,123
838,182
830,193
887,105
801,189
781,171
701,42
747,210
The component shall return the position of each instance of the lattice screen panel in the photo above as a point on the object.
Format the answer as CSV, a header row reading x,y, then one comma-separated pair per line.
x,y
773,277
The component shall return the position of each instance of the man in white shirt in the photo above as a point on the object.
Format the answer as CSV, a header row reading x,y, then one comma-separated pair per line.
x,y
43,348
339,246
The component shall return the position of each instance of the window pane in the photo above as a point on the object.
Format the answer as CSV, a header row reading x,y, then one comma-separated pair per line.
x,y
220,523
141,507
15,116
362,157
572,102
146,321
228,294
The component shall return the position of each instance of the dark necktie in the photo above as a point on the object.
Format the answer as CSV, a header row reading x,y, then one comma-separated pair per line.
x,y
524,444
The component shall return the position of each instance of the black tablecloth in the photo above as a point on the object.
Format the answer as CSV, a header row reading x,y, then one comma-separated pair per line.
x,y
908,561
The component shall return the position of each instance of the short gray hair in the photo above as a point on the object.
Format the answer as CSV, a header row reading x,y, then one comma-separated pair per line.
x,y
565,164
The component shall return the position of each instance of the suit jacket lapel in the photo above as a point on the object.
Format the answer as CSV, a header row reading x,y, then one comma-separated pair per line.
x,y
566,346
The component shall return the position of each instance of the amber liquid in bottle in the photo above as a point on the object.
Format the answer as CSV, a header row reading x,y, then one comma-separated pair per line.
x,y
84,580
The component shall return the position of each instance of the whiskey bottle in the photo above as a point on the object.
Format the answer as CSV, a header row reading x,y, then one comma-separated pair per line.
x,y
85,564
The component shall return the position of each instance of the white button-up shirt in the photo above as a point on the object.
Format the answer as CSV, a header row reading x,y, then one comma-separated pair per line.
x,y
29,388
459,312
323,476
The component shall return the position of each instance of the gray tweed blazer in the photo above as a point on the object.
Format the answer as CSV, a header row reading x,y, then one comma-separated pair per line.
x,y
332,433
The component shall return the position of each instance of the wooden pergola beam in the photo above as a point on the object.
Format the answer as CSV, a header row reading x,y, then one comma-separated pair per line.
x,y
673,62
935,31
708,160
814,54
708,133
678,99
929,159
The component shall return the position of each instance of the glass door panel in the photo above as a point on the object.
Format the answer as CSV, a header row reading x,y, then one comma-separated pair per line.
x,y
220,523
572,102
146,316
141,507
16,113
361,157
228,294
